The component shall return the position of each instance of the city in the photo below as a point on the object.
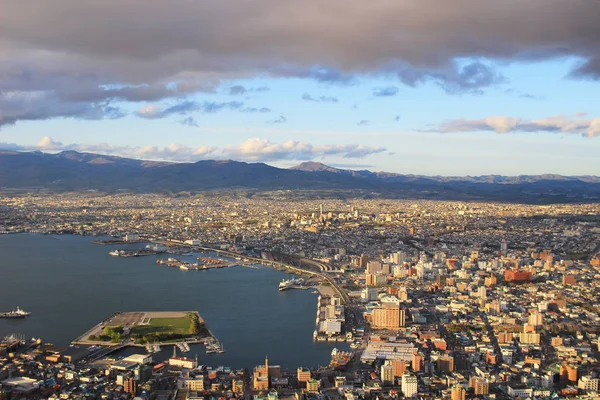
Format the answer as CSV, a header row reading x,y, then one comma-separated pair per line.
x,y
438,299
299,200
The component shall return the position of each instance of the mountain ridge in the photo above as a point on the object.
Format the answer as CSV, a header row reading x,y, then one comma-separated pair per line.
x,y
75,171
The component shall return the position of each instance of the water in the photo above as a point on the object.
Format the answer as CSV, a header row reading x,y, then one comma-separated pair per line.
x,y
70,284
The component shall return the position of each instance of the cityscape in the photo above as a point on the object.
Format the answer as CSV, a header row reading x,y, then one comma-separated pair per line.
x,y
287,200
435,299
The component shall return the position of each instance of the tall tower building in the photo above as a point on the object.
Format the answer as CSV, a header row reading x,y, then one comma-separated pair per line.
x,y
409,385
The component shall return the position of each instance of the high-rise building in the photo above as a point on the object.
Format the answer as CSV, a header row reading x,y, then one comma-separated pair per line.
x,y
417,362
387,374
535,319
399,368
130,386
409,385
388,316
445,364
374,267
458,392
480,385
363,261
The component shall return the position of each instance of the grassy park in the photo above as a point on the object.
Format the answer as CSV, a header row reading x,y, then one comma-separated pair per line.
x,y
152,328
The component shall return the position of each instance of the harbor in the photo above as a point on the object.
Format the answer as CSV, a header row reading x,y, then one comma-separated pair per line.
x,y
94,284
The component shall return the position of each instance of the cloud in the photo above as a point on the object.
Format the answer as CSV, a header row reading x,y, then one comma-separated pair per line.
x,y
470,78
385,91
256,110
280,120
364,122
155,50
319,99
30,106
155,111
238,90
254,149
397,118
189,121
589,127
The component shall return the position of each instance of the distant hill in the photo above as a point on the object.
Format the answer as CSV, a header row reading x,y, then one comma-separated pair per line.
x,y
74,171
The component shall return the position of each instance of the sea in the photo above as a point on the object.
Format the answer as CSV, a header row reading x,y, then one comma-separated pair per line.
x,y
70,284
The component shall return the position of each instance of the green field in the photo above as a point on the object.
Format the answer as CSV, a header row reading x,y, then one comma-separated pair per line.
x,y
163,329
180,326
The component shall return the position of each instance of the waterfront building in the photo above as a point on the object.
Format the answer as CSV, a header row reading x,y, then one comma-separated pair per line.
x,y
261,376
303,375
183,362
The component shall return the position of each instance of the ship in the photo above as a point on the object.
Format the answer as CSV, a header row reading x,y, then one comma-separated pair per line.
x,y
340,359
18,313
290,283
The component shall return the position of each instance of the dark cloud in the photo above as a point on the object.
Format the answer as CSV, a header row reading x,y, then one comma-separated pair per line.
x,y
470,78
364,122
150,50
319,99
385,91
28,106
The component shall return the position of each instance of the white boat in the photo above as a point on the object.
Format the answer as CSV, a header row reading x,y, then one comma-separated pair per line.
x,y
289,283
18,313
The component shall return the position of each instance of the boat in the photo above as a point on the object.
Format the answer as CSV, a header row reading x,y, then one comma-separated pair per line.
x,y
339,359
289,283
18,313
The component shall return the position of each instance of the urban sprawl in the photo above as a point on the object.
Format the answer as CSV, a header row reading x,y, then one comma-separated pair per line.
x,y
438,299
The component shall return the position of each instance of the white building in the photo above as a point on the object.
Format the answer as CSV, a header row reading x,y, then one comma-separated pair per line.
x,y
588,383
409,385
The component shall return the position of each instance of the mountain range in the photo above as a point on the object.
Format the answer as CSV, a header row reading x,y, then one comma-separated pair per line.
x,y
74,171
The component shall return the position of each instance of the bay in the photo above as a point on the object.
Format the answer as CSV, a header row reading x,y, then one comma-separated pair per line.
x,y
70,284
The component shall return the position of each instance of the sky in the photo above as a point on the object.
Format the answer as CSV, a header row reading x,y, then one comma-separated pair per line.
x,y
428,87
